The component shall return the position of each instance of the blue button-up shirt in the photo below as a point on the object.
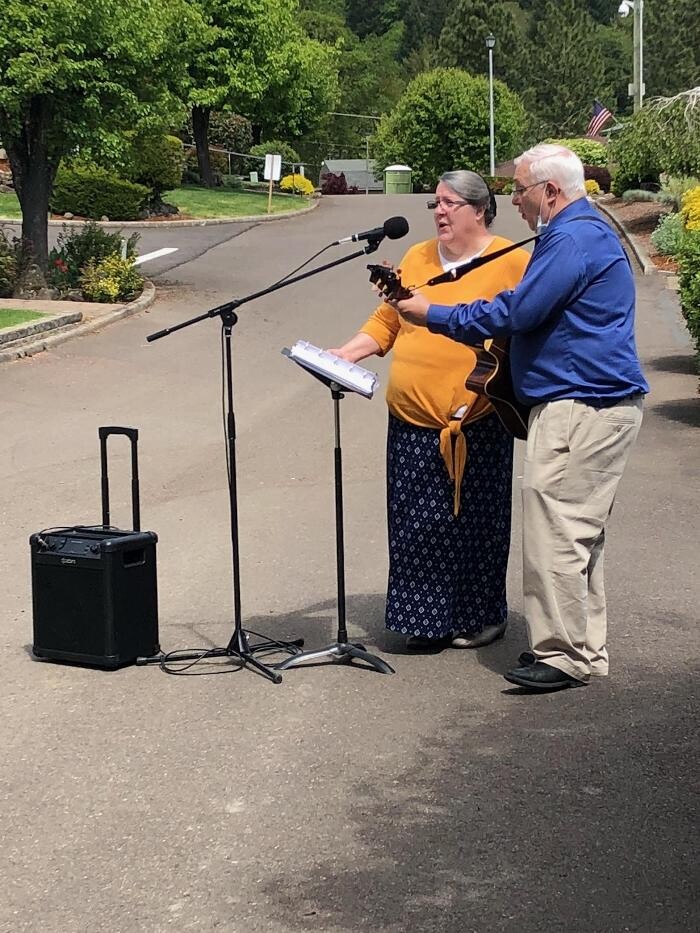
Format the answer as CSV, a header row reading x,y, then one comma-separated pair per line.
x,y
570,320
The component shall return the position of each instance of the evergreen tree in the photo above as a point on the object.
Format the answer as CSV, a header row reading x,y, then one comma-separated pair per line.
x,y
564,67
463,41
372,17
671,46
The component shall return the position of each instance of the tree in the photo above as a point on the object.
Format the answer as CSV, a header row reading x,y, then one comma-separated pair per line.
x,y
671,46
72,72
255,59
564,65
664,136
442,123
463,41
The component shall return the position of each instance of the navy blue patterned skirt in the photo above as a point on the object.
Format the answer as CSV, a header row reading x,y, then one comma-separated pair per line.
x,y
447,574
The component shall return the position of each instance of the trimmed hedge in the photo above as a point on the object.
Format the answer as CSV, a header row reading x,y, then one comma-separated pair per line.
x,y
94,192
589,151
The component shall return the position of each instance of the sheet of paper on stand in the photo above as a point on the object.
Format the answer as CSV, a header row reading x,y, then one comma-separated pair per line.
x,y
348,375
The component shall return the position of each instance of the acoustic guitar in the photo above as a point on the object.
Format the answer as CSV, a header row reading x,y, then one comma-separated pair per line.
x,y
491,377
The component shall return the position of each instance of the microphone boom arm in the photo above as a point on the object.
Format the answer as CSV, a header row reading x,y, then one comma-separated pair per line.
x,y
230,307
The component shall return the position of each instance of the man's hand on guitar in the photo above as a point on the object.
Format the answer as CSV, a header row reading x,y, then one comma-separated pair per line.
x,y
409,303
413,309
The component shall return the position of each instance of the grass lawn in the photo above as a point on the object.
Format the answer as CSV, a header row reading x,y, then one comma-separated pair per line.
x,y
199,203
9,207
223,202
11,316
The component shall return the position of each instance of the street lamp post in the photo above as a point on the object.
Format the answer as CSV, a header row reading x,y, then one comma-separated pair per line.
x,y
490,43
636,89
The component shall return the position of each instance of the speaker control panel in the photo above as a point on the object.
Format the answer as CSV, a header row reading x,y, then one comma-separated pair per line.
x,y
72,546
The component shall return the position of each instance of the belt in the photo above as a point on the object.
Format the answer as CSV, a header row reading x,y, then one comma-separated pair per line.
x,y
609,402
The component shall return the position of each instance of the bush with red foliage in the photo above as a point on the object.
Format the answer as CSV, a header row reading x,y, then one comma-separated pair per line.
x,y
334,184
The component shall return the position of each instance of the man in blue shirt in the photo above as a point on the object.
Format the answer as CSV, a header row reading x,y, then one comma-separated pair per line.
x,y
573,357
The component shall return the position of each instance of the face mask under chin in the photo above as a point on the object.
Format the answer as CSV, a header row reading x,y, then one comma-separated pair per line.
x,y
542,225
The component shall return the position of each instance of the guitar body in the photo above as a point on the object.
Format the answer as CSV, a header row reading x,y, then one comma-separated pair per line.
x,y
491,377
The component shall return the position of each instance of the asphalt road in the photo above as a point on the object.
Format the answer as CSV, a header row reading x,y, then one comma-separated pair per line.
x,y
435,800
189,242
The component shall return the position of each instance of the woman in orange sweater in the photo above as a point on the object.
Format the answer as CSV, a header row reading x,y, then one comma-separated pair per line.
x,y
449,459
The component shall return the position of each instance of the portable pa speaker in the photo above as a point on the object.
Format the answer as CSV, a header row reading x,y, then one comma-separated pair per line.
x,y
94,589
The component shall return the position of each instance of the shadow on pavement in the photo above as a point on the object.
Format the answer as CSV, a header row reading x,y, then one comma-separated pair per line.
x,y
676,363
534,819
684,411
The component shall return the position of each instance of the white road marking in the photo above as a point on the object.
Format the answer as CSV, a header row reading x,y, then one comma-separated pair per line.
x,y
155,254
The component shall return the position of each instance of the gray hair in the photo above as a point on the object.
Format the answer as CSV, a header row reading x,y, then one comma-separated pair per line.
x,y
471,187
548,162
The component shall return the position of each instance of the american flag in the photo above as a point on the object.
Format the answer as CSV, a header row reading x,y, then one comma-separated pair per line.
x,y
599,118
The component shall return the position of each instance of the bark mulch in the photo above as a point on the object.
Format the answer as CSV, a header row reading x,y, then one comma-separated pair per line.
x,y
641,219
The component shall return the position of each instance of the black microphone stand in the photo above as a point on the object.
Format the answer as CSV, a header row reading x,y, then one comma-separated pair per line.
x,y
239,646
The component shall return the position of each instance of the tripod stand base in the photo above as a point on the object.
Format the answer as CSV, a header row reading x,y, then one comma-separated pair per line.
x,y
238,649
341,652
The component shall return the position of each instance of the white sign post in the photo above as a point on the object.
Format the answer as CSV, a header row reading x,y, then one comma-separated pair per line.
x,y
272,172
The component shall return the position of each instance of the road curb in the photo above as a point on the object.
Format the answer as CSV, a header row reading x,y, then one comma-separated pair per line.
x,y
145,300
638,251
42,326
157,224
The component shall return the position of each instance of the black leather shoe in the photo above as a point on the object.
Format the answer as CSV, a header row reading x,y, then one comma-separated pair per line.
x,y
539,676
526,659
421,643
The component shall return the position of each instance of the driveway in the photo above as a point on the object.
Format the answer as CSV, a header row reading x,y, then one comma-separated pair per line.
x,y
434,800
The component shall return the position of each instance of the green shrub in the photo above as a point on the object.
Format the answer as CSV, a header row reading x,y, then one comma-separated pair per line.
x,y
234,182
689,281
656,139
76,247
441,122
156,161
275,147
638,194
9,264
589,151
673,187
666,239
592,186
94,192
110,279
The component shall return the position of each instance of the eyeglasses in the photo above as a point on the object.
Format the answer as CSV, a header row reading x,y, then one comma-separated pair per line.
x,y
447,203
518,190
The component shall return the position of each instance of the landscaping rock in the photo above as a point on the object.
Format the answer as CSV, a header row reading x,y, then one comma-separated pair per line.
x,y
34,287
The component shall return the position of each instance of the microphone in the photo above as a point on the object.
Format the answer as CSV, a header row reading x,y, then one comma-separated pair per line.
x,y
394,228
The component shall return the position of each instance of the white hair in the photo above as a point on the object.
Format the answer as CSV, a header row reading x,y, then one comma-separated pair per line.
x,y
547,162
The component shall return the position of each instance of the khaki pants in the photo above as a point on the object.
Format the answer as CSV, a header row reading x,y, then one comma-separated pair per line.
x,y
575,457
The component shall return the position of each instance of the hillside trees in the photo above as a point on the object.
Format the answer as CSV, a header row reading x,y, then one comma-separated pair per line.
x,y
70,73
564,65
463,41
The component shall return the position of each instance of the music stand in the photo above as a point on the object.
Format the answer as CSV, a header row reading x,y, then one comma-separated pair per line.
x,y
341,651
239,647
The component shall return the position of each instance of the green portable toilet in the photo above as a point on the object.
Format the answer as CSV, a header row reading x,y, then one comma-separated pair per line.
x,y
397,179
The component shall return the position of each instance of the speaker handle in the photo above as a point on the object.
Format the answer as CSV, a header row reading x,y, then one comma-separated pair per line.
x,y
133,435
